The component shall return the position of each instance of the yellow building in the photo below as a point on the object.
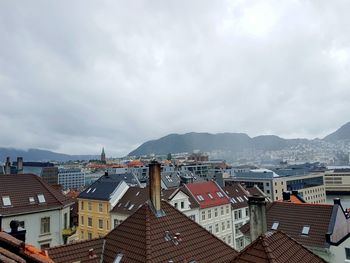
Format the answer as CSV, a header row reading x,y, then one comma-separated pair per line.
x,y
95,204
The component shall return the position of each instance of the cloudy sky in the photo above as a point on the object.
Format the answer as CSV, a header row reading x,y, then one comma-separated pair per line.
x,y
79,75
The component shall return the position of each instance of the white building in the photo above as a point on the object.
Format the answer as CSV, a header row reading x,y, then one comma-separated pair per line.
x,y
71,178
40,209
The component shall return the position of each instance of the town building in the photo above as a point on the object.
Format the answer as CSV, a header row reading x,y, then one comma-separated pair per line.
x,y
40,209
310,186
95,203
214,209
71,178
337,180
155,232
322,228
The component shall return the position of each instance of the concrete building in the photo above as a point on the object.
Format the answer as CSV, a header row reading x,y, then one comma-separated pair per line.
x,y
71,178
310,186
40,209
337,179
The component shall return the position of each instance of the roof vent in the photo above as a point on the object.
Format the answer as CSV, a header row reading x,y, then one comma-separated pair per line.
x,y
275,225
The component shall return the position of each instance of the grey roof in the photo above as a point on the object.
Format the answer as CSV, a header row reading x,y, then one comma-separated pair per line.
x,y
173,179
103,187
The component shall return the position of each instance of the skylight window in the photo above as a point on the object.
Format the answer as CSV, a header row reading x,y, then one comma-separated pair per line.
x,y
41,198
275,225
137,193
200,198
220,194
93,190
131,207
211,197
118,258
31,200
305,230
88,190
6,200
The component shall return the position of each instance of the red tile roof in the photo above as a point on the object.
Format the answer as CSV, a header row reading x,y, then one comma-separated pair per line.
x,y
208,194
21,187
276,247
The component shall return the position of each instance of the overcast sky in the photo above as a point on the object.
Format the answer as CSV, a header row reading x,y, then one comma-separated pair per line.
x,y
79,75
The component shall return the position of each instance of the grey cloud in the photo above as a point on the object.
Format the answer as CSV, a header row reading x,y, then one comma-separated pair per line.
x,y
76,76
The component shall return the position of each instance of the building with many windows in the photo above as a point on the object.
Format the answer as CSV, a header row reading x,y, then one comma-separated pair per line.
x,y
71,178
40,209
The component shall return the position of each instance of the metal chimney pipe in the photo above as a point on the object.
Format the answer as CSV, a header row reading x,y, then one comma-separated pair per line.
x,y
155,185
257,213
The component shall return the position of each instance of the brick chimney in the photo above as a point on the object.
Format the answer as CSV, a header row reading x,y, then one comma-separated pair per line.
x,y
257,213
155,187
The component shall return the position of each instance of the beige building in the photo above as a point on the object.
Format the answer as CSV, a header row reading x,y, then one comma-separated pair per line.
x,y
337,180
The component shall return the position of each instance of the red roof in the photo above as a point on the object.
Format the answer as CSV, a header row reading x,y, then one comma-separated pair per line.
x,y
208,194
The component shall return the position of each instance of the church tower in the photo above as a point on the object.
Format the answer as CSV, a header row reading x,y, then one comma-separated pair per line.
x,y
103,155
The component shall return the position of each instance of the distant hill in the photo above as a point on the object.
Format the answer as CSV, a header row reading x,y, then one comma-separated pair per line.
x,y
343,133
232,142
40,155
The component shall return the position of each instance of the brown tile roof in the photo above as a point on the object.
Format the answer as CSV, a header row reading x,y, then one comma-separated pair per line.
x,y
238,195
276,247
142,238
80,251
293,217
20,187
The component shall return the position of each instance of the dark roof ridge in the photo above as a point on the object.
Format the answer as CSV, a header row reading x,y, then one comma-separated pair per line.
x,y
267,248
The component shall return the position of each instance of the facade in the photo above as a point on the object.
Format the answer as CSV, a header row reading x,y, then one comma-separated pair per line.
x,y
71,178
310,186
337,180
95,203
214,209
40,209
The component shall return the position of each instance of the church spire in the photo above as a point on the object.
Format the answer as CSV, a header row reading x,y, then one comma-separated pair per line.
x,y
103,155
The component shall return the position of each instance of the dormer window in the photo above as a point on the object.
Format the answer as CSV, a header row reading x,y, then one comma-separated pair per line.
x,y
220,194
211,197
6,201
306,230
41,198
275,225
200,197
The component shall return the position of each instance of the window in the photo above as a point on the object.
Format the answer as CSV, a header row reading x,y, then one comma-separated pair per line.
x,y
115,221
182,205
90,221
89,206
89,235
203,215
216,212
45,225
228,225
209,213
305,230
82,220
65,220
246,212
216,228
222,226
100,207
238,214
200,198
227,209
6,200
210,229
268,191
192,217
210,196
275,225
229,239
222,210
41,198
82,205
31,200
100,223
118,258
44,246
267,184
220,194
175,205
347,253
237,227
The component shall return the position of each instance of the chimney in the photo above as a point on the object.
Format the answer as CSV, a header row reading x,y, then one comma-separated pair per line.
x,y
154,186
257,212
19,165
19,234
286,196
7,166
336,201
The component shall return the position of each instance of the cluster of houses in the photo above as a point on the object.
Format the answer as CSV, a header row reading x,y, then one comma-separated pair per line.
x,y
191,221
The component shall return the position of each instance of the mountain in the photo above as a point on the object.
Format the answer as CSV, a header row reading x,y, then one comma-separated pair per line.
x,y
40,155
343,133
228,142
206,142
